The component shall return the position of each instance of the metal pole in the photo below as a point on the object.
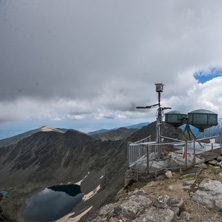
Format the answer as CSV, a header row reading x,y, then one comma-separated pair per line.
x,y
158,125
128,153
186,153
148,159
212,150
194,153
220,146
136,153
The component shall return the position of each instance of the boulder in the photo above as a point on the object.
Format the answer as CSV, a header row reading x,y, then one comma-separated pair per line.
x,y
162,202
185,215
134,205
202,165
154,214
169,174
187,184
129,209
175,202
214,163
170,187
105,210
219,158
209,194
176,211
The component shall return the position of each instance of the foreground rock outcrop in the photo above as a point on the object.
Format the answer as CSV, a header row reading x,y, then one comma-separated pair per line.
x,y
137,206
209,194
192,195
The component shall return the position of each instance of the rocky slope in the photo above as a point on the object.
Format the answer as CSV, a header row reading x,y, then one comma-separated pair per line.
x,y
166,130
117,134
51,158
195,196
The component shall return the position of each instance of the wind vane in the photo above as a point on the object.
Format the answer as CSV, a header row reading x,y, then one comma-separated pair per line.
x,y
159,89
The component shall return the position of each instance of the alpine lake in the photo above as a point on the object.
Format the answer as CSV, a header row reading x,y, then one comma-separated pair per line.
x,y
52,203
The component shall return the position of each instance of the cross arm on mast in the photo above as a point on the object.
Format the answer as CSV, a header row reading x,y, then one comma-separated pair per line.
x,y
146,107
166,108
143,107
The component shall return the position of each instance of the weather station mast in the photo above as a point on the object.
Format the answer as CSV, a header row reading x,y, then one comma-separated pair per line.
x,y
160,109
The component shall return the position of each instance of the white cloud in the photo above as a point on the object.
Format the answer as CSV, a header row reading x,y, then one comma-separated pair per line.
x,y
77,117
121,116
99,116
57,118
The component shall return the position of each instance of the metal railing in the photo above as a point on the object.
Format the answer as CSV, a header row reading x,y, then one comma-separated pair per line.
x,y
144,153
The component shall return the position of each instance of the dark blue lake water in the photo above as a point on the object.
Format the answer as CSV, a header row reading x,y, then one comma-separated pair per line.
x,y
4,192
52,203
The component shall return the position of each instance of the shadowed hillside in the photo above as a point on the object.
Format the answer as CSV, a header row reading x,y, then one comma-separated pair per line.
x,y
166,130
117,134
51,158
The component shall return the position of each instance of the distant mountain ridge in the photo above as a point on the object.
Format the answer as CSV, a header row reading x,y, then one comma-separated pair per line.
x,y
117,134
15,139
135,126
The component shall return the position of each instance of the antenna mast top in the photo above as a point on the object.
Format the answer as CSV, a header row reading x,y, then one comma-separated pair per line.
x,y
159,89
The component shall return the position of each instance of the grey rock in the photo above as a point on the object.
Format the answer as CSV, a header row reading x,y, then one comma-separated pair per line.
x,y
218,204
176,211
176,160
137,192
213,163
132,206
162,202
161,177
187,184
169,174
150,184
209,194
219,158
185,215
154,214
220,164
202,165
105,210
175,202
170,187
210,185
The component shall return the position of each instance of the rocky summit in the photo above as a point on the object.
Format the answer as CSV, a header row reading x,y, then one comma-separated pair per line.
x,y
182,196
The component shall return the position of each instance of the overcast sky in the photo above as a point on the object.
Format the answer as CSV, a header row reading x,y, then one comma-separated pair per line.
x,y
86,64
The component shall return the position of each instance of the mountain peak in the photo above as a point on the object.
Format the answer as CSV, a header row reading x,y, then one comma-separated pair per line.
x,y
49,129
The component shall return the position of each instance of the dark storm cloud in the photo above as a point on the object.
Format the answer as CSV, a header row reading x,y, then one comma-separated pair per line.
x,y
78,56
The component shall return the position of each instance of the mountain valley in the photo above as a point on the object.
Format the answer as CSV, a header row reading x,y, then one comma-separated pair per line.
x,y
48,158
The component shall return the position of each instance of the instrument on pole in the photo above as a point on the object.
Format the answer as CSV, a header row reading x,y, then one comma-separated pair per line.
x,y
159,89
